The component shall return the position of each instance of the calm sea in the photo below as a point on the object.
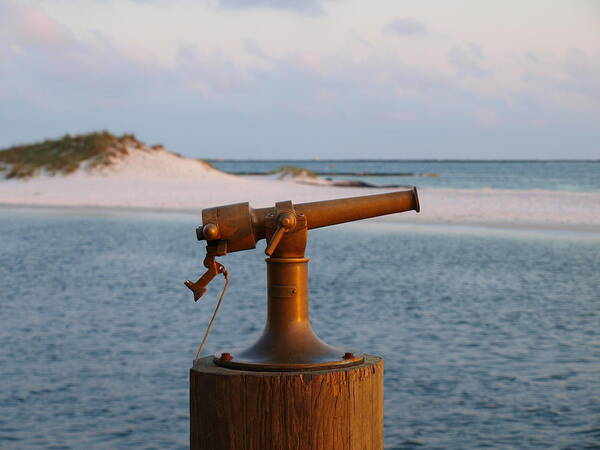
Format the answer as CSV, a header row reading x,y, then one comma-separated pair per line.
x,y
581,176
491,339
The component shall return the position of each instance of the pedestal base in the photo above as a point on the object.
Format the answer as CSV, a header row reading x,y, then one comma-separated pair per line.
x,y
325,410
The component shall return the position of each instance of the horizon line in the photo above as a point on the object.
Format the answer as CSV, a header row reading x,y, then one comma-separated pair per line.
x,y
450,160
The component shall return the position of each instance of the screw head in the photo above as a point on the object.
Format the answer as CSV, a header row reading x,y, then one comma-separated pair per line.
x,y
226,356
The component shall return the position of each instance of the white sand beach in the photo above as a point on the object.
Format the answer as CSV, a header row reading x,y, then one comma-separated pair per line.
x,y
161,180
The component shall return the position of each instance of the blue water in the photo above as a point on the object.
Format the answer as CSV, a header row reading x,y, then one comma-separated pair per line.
x,y
491,339
583,176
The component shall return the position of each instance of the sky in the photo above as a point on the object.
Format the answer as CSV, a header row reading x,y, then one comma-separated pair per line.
x,y
291,79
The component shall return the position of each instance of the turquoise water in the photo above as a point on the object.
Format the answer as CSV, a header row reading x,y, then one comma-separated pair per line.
x,y
491,338
583,176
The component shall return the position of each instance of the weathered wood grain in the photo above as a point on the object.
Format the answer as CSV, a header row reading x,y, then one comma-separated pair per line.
x,y
321,410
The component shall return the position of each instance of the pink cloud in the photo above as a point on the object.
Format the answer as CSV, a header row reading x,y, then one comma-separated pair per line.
x,y
31,26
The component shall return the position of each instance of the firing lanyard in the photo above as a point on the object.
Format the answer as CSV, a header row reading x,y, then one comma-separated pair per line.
x,y
212,319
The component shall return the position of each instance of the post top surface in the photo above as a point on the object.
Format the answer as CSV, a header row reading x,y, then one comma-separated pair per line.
x,y
206,365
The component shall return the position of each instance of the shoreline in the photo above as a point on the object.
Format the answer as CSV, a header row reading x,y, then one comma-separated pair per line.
x,y
159,183
414,222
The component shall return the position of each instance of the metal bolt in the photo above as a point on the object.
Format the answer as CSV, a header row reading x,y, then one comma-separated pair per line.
x,y
210,232
226,357
287,220
348,355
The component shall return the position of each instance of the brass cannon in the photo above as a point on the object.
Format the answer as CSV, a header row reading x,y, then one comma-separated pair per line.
x,y
288,341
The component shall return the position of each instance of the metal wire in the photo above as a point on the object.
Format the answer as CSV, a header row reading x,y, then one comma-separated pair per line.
x,y
212,319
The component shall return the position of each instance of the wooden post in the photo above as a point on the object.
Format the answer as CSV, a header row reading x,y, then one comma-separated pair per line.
x,y
321,410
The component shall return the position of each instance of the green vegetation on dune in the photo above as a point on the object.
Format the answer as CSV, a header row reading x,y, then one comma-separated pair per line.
x,y
65,155
293,171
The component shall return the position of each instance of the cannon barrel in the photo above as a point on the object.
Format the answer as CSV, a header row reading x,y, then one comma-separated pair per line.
x,y
333,212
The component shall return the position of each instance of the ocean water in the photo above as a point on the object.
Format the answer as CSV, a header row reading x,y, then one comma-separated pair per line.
x,y
581,176
491,338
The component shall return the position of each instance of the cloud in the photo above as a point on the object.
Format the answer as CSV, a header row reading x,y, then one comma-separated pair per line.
x,y
572,79
208,98
30,26
210,76
582,73
406,26
253,48
307,7
47,68
468,61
